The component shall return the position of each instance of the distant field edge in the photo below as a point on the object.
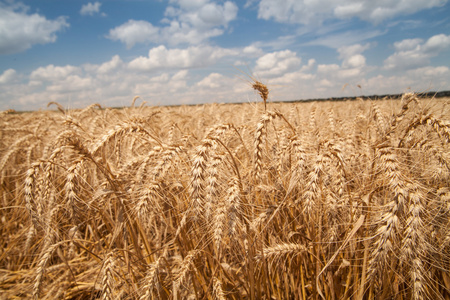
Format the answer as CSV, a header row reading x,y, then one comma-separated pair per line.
x,y
440,94
431,94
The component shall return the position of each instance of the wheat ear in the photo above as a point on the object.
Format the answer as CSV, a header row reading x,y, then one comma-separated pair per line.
x,y
217,289
414,243
40,270
152,278
386,234
183,272
280,251
108,279
259,141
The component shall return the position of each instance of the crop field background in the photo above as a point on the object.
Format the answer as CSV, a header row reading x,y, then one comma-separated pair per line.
x,y
318,200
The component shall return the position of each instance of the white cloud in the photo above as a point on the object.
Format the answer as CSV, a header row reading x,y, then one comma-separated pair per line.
x,y
355,61
8,76
431,72
202,14
291,11
53,73
182,33
180,76
309,66
327,80
380,10
189,4
252,50
419,80
353,66
71,83
133,32
351,56
349,10
196,21
323,80
350,73
436,44
348,51
90,9
212,81
413,53
277,63
186,22
315,12
216,15
327,69
192,57
408,44
20,31
405,60
159,88
160,78
109,66
115,82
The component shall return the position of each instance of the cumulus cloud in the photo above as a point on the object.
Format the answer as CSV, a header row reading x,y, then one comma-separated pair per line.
x,y
53,73
327,69
348,51
315,12
355,61
71,83
114,64
252,50
351,56
191,57
352,69
178,76
436,44
8,76
277,63
419,80
293,80
414,53
90,9
212,81
311,64
20,30
159,89
181,33
408,44
430,72
114,82
203,14
133,32
185,22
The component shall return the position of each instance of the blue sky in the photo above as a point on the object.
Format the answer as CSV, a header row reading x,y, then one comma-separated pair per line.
x,y
193,51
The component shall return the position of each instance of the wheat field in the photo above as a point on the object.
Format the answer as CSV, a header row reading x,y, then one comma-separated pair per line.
x,y
317,200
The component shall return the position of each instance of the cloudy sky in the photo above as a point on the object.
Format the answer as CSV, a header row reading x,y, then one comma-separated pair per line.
x,y
201,51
